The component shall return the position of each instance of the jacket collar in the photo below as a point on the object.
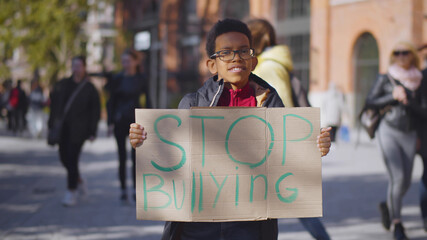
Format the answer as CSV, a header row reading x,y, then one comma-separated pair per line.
x,y
212,89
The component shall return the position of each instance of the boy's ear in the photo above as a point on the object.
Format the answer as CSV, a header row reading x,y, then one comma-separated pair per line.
x,y
211,64
254,63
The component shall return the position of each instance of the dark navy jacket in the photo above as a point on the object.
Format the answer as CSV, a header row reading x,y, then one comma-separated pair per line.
x,y
209,94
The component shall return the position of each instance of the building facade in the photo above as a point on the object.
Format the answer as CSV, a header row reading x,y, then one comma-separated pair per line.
x,y
346,42
351,41
100,34
176,30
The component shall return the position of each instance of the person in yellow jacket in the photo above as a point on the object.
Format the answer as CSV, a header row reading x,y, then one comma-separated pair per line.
x,y
274,61
274,66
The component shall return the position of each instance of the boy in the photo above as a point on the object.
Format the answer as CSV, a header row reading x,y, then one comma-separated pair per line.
x,y
231,62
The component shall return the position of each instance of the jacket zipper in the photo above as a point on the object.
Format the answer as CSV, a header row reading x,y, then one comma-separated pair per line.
x,y
216,94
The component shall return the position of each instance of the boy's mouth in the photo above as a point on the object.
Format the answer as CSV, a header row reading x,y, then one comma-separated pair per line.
x,y
236,69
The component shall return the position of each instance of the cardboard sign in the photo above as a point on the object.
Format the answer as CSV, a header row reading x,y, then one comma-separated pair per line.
x,y
229,164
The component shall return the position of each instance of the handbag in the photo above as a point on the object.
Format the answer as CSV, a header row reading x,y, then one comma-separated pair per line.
x,y
370,120
54,133
370,117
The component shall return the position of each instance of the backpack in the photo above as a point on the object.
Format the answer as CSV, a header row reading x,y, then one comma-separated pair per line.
x,y
299,94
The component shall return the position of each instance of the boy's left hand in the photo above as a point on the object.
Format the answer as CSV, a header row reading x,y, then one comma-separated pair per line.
x,y
324,141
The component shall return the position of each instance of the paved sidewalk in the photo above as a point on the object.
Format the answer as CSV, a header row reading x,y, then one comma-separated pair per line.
x,y
32,183
32,186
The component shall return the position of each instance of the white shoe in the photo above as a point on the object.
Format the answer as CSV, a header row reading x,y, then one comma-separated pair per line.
x,y
70,198
82,189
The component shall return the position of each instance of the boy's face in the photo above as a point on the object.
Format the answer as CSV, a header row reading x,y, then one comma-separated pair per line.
x,y
235,72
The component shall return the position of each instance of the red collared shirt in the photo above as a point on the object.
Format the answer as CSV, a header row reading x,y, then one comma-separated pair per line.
x,y
244,97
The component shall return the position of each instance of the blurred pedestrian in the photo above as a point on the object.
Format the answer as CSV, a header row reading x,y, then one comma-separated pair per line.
x,y
422,148
333,106
7,88
275,67
18,107
125,90
398,90
75,101
35,115
2,105
274,61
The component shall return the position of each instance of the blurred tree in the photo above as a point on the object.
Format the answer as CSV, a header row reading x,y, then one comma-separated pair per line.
x,y
49,32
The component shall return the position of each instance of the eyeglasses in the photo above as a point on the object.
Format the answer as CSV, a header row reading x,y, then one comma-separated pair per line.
x,y
402,53
228,55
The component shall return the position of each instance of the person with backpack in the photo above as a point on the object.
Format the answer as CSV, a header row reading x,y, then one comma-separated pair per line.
x,y
274,61
275,67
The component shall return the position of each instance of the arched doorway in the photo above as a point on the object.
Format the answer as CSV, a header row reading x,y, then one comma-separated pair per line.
x,y
366,67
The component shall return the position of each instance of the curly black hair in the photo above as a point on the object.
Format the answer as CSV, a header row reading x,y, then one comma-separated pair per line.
x,y
225,26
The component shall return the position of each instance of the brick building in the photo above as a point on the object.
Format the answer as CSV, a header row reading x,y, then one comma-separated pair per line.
x,y
351,41
342,41
175,31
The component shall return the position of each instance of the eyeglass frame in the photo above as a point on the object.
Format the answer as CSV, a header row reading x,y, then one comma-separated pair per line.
x,y
251,54
403,53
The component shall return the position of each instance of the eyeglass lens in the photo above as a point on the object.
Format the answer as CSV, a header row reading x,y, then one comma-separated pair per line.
x,y
228,55
403,53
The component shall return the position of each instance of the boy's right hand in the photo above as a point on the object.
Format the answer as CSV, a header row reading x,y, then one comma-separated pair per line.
x,y
137,135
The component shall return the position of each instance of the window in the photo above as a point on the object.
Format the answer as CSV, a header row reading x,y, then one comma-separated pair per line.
x,y
292,8
189,42
189,21
190,8
238,9
299,46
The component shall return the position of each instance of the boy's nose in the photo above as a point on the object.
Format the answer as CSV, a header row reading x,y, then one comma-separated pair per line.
x,y
237,57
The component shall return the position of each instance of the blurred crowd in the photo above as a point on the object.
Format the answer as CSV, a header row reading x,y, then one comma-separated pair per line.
x,y
21,101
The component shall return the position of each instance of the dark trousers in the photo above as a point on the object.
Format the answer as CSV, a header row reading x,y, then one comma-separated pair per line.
x,y
333,133
17,120
315,227
69,153
223,230
121,132
248,230
423,185
9,119
423,190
